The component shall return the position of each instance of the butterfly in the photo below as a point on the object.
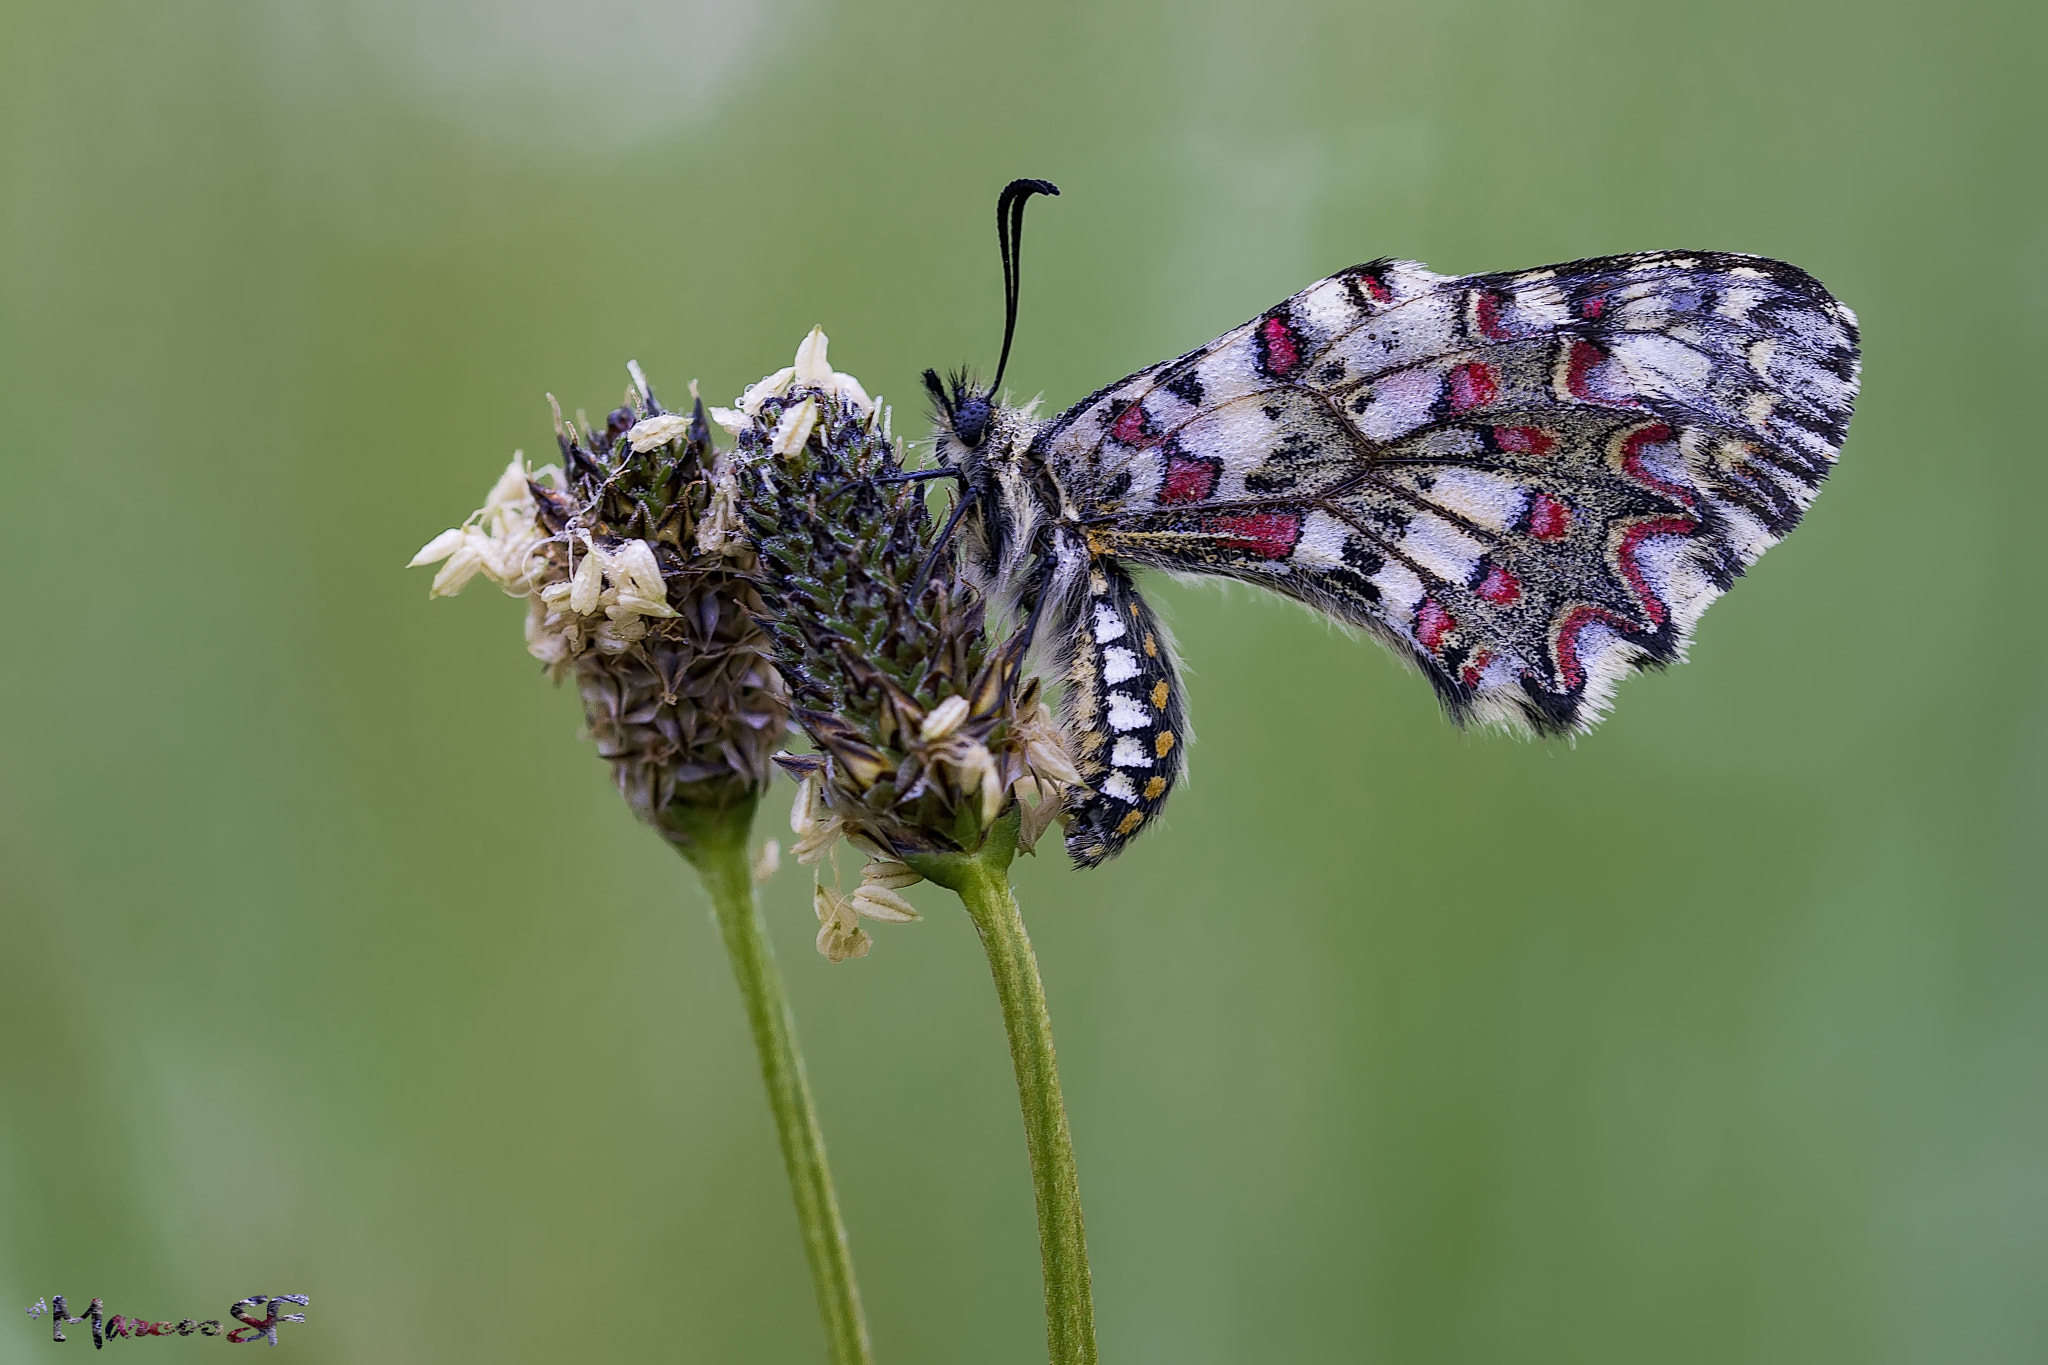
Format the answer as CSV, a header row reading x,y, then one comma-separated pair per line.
x,y
1528,484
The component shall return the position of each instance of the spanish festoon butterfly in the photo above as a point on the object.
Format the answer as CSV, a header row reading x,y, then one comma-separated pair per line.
x,y
1529,484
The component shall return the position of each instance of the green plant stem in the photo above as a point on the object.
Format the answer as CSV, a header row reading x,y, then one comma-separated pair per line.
x,y
981,880
721,859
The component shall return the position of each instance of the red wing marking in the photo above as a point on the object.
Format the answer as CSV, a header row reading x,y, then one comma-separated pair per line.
x,y
1473,671
1523,440
1549,519
1632,463
1576,621
1472,386
1631,542
1432,624
1270,535
1499,586
1376,288
1130,427
1283,351
1488,310
1188,480
1585,356
1593,307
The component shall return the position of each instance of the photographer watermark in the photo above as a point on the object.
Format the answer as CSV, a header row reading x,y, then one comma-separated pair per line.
x,y
105,1329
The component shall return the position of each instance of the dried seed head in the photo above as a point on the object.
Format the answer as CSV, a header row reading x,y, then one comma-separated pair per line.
x,y
638,584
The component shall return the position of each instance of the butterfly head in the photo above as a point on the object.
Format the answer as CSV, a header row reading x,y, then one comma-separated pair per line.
x,y
1001,479
976,434
964,410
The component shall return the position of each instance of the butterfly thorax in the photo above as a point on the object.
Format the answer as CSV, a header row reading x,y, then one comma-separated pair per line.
x,y
1018,510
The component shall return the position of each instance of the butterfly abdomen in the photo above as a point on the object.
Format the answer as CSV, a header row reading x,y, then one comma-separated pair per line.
x,y
1122,714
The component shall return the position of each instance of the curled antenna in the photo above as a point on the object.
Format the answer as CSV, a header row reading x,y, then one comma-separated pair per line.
x,y
1010,240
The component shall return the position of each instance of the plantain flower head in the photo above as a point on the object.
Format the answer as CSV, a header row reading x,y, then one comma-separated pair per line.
x,y
924,733
636,585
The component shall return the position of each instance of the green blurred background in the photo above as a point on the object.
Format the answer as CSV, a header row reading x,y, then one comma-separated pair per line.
x,y
333,966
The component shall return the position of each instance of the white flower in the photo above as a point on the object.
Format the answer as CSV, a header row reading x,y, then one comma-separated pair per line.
x,y
1041,793
616,636
795,428
850,390
974,768
883,905
1045,749
811,371
887,871
771,387
765,862
586,585
817,841
548,636
637,583
599,599
623,581
804,809
816,828
839,934
943,719
992,793
465,557
719,533
470,558
877,897
498,540
439,548
649,432
639,378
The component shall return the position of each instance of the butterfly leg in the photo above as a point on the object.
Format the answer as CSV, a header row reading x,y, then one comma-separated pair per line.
x,y
910,476
1122,714
945,538
1041,592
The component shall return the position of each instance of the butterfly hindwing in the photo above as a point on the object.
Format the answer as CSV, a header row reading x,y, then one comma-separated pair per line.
x,y
1122,714
1528,483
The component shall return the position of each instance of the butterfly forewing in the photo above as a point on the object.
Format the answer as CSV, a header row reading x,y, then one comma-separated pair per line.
x,y
1529,483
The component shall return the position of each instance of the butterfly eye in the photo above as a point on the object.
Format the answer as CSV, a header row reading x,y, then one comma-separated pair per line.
x,y
970,421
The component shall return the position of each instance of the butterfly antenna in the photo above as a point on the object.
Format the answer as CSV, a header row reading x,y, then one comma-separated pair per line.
x,y
1010,240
